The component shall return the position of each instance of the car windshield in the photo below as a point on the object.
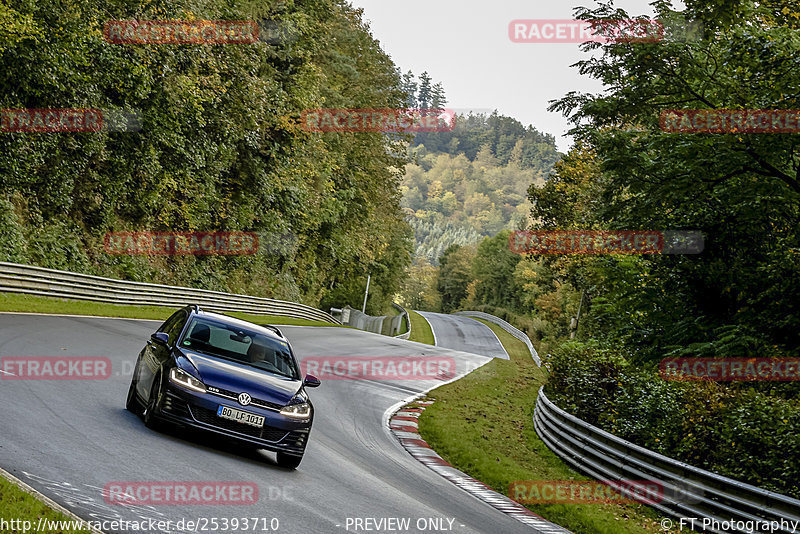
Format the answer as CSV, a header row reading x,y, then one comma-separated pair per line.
x,y
241,345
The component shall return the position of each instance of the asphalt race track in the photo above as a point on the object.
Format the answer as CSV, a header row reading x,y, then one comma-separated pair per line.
x,y
465,334
69,438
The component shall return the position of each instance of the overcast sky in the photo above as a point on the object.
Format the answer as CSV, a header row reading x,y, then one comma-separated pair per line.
x,y
465,45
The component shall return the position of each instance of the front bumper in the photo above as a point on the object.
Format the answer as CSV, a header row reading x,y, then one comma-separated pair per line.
x,y
199,410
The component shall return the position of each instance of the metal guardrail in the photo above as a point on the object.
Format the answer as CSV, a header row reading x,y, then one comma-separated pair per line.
x,y
18,278
387,325
688,491
403,313
516,332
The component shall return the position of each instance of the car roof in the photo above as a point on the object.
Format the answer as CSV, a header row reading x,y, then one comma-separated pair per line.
x,y
233,321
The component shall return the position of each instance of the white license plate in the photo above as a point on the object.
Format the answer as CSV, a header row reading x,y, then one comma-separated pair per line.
x,y
239,416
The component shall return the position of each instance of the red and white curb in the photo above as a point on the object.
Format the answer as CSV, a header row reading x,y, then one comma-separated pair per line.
x,y
404,425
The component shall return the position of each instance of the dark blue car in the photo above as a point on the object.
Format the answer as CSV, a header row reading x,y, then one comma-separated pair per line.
x,y
217,373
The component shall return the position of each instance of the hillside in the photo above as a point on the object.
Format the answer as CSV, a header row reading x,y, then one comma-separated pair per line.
x,y
218,148
472,181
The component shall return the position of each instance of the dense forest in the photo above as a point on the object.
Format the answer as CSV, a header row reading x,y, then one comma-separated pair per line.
x,y
472,181
739,298
219,148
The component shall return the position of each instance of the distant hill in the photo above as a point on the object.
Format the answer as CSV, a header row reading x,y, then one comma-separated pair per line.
x,y
472,181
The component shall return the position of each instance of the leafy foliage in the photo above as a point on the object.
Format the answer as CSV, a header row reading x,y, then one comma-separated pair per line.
x,y
739,297
219,149
472,181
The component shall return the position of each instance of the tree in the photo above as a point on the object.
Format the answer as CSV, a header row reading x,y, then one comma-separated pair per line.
x,y
455,267
419,288
438,99
493,269
425,91
410,88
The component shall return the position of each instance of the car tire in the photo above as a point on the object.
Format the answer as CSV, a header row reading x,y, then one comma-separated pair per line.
x,y
151,421
289,461
132,403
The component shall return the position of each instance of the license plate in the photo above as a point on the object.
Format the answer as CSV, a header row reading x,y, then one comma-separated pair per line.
x,y
239,416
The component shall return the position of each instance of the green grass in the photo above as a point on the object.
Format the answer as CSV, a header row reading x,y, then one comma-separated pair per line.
x,y
482,424
18,504
15,302
420,329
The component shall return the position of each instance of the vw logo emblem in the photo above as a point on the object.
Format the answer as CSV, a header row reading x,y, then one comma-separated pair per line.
x,y
244,399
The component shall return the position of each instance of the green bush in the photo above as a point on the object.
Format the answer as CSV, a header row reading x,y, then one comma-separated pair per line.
x,y
12,241
731,429
759,442
584,379
57,244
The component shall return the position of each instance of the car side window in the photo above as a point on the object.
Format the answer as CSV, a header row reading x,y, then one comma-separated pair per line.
x,y
173,330
170,322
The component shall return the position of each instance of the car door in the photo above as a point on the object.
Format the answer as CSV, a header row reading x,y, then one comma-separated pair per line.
x,y
155,354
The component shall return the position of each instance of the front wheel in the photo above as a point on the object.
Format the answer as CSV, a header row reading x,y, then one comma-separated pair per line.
x,y
131,404
289,460
149,415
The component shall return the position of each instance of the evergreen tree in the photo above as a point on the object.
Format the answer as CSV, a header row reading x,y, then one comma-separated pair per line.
x,y
425,91
409,87
438,99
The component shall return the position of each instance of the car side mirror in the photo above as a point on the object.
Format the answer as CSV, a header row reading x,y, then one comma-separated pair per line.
x,y
311,381
160,337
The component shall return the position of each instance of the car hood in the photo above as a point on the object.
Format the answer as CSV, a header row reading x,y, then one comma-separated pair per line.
x,y
238,378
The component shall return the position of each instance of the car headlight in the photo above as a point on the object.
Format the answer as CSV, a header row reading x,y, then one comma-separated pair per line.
x,y
185,380
301,410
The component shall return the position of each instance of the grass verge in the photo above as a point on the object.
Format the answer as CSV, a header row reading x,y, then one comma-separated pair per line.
x,y
17,302
482,424
420,329
17,504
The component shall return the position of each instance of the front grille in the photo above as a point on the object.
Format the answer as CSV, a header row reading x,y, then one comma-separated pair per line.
x,y
265,404
261,403
209,417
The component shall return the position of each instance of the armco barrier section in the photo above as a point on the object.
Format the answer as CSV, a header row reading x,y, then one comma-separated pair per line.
x,y
17,278
688,491
382,324
505,325
403,313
